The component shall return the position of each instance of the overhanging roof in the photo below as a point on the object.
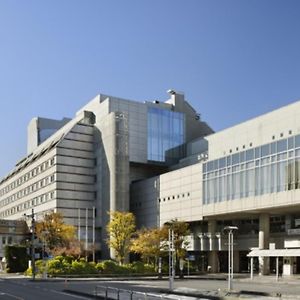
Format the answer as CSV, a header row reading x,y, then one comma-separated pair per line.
x,y
274,252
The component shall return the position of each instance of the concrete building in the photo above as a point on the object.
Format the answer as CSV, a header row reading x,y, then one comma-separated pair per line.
x,y
161,161
83,167
248,177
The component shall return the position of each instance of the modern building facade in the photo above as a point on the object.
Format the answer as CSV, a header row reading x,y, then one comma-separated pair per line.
x,y
83,167
161,161
248,177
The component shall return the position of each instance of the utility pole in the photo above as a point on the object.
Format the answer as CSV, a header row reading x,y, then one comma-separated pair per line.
x,y
32,242
171,259
230,230
86,234
94,216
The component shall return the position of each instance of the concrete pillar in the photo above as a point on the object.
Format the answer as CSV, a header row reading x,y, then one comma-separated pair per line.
x,y
236,261
288,222
213,260
263,243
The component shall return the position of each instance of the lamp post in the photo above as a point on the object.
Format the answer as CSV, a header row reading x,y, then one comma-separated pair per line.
x,y
230,230
171,259
32,242
44,234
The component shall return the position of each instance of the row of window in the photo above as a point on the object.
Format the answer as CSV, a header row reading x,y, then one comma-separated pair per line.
x,y
28,204
183,195
276,177
28,190
7,240
268,172
32,173
251,154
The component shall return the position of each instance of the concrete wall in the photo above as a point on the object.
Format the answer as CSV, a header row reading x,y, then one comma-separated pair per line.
x,y
280,123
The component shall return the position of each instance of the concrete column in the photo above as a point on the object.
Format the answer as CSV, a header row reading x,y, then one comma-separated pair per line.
x,y
263,243
236,261
288,222
213,260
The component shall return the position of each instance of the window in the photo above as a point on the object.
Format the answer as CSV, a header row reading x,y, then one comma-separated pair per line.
x,y
166,130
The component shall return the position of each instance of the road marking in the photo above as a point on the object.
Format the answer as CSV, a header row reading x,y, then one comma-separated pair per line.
x,y
10,295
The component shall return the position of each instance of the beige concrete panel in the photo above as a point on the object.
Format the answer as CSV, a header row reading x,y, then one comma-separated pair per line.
x,y
75,170
79,137
76,145
61,194
74,178
75,161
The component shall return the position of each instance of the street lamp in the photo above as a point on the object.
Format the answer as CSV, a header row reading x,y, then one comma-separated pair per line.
x,y
44,234
171,259
230,230
32,242
171,254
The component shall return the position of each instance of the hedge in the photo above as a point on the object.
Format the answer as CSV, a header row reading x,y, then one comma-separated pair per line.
x,y
16,258
61,265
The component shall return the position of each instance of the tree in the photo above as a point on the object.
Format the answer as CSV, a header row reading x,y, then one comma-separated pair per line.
x,y
120,229
149,243
181,231
54,232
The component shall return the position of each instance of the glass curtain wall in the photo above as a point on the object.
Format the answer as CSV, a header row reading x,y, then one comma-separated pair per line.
x,y
270,168
166,130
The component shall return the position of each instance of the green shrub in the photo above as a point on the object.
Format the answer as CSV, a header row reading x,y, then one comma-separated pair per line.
x,y
57,266
61,265
109,267
83,267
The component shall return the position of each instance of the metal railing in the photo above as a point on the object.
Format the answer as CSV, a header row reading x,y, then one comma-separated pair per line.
x,y
108,292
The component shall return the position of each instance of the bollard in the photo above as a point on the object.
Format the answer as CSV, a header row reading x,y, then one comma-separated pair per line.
x,y
145,294
106,293
118,294
66,282
131,295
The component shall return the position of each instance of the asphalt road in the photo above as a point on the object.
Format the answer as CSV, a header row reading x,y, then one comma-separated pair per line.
x,y
25,289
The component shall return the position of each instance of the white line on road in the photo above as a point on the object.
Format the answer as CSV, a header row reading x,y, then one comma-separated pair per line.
x,y
13,296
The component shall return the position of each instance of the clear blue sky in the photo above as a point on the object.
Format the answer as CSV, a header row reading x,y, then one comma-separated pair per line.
x,y
234,59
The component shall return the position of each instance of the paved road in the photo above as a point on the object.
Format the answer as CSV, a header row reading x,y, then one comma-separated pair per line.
x,y
16,289
22,288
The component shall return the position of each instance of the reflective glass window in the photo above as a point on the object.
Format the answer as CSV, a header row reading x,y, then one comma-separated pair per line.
x,y
297,141
216,164
235,158
222,162
273,148
249,154
228,160
257,152
291,143
281,145
265,150
166,130
242,156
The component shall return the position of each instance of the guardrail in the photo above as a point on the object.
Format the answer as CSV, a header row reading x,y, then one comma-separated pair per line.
x,y
119,294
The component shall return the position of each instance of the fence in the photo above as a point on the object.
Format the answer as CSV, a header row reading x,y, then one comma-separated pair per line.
x,y
121,294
